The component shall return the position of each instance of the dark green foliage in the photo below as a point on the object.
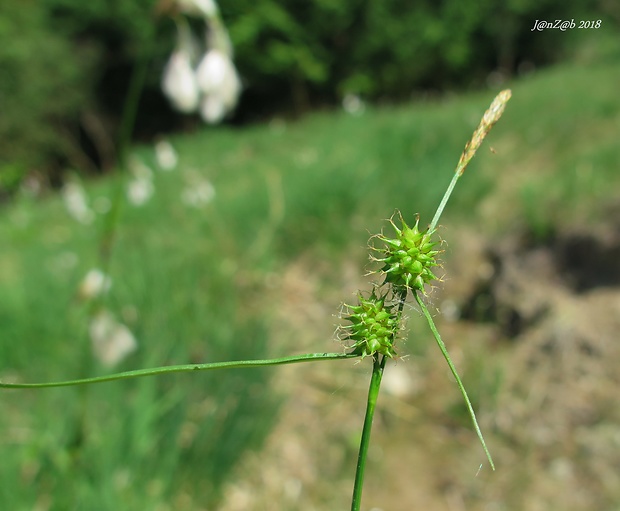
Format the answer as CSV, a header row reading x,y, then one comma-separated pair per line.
x,y
66,64
322,50
41,91
65,68
119,34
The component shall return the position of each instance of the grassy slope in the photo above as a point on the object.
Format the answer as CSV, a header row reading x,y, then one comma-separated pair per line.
x,y
194,284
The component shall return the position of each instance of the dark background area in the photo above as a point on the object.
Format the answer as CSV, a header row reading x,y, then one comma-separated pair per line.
x,y
66,64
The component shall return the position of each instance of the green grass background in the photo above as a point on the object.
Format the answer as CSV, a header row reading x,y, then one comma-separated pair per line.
x,y
194,284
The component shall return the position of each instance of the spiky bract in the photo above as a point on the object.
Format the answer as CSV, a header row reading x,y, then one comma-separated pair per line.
x,y
408,258
373,327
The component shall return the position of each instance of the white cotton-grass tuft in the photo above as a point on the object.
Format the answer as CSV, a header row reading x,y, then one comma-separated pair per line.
x,y
212,87
165,155
95,283
212,71
139,169
139,191
112,341
76,203
179,82
353,104
198,192
212,109
220,85
140,188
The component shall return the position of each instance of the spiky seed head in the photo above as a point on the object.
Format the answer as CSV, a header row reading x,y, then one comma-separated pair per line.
x,y
373,328
408,258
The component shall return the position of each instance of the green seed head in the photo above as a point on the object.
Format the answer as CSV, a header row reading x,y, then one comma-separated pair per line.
x,y
408,258
373,327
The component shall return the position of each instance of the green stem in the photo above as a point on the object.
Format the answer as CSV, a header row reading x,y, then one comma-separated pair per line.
x,y
490,117
182,369
444,351
373,393
444,201
130,110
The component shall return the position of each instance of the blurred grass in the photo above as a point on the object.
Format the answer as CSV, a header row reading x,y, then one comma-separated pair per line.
x,y
194,284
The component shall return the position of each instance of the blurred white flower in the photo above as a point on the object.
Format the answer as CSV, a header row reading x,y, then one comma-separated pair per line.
x,y
212,109
213,88
198,193
220,85
111,341
179,82
205,8
140,188
398,382
76,203
94,283
139,191
353,104
139,169
166,156
212,71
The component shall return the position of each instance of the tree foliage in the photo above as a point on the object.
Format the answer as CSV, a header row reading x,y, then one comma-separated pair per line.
x,y
66,64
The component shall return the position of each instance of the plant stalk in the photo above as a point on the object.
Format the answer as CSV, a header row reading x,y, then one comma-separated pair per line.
x,y
444,352
373,393
490,117
183,369
130,110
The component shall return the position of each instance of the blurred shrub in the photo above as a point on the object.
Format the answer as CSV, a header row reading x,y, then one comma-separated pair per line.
x,y
66,64
322,50
114,35
41,91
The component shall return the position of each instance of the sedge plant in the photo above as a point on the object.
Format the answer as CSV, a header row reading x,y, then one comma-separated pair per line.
x,y
406,263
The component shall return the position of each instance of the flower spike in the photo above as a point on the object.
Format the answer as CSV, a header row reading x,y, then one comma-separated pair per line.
x,y
373,327
408,258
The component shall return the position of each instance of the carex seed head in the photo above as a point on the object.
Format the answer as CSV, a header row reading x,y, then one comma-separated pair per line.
x,y
409,257
373,328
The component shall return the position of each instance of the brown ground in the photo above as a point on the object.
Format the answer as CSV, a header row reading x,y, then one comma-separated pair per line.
x,y
533,329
